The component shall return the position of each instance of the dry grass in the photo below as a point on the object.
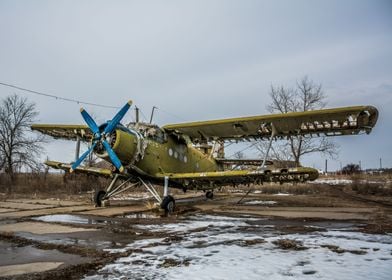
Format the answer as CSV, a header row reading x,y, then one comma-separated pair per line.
x,y
74,184
365,185
289,188
38,184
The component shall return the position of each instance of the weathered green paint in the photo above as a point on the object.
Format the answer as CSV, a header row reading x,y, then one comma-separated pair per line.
x,y
169,157
170,151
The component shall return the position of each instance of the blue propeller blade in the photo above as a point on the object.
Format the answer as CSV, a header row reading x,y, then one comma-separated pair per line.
x,y
79,161
89,120
117,118
116,161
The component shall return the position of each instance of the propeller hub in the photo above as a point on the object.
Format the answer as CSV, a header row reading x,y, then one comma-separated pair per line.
x,y
102,140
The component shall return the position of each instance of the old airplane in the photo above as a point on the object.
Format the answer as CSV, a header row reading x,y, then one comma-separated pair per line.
x,y
190,155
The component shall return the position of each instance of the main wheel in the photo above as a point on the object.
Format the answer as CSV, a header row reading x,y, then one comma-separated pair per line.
x,y
99,195
168,204
209,195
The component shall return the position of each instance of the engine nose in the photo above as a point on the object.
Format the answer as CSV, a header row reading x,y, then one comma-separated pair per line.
x,y
126,145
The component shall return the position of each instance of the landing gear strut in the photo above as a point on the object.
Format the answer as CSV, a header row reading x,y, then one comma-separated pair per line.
x,y
113,190
167,202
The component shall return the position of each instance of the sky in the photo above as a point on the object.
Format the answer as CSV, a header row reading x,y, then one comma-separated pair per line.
x,y
200,60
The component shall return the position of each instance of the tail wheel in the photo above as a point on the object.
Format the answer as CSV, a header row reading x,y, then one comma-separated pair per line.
x,y
98,197
209,195
168,204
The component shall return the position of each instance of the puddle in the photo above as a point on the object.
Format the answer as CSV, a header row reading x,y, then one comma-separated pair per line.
x,y
189,223
71,219
221,247
260,202
142,215
14,254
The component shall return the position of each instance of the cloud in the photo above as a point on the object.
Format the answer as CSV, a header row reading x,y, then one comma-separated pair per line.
x,y
195,60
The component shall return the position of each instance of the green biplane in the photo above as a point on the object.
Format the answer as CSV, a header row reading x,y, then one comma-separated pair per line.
x,y
190,155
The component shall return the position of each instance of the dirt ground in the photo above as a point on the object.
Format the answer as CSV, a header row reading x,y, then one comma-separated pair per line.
x,y
71,239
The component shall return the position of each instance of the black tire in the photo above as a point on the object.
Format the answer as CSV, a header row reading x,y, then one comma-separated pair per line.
x,y
98,197
168,204
209,195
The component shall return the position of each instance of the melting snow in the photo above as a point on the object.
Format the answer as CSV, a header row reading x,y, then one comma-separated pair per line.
x,y
332,181
284,194
218,252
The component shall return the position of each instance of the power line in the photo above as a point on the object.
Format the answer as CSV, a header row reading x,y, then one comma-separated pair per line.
x,y
171,114
58,97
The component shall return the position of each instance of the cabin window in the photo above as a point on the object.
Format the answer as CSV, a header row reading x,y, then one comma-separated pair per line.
x,y
156,134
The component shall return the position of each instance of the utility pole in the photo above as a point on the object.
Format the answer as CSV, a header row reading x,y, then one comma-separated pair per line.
x,y
360,165
326,166
380,163
137,114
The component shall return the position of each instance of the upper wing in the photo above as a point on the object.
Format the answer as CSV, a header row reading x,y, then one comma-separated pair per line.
x,y
329,122
64,131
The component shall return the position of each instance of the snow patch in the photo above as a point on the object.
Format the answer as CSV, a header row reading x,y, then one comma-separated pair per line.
x,y
333,182
220,252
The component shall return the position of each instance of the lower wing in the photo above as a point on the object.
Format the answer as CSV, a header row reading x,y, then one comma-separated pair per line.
x,y
81,169
205,180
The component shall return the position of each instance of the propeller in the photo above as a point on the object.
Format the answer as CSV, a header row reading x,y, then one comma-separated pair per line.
x,y
100,137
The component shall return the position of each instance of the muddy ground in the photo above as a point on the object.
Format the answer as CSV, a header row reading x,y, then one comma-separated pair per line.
x,y
278,236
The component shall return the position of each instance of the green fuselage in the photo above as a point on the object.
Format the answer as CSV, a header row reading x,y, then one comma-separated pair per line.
x,y
174,157
153,155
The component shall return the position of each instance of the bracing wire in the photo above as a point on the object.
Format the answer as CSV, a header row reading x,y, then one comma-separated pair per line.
x,y
246,148
170,114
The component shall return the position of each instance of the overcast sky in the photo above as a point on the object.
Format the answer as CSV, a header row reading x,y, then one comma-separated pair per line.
x,y
199,60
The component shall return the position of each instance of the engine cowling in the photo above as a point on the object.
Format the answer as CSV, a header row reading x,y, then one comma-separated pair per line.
x,y
125,143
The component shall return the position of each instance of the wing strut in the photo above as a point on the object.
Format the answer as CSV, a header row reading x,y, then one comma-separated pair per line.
x,y
166,202
273,134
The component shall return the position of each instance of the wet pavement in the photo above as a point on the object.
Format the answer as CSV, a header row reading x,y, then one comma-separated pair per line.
x,y
201,240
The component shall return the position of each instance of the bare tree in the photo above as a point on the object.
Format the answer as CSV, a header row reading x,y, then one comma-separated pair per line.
x,y
351,168
19,147
306,96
